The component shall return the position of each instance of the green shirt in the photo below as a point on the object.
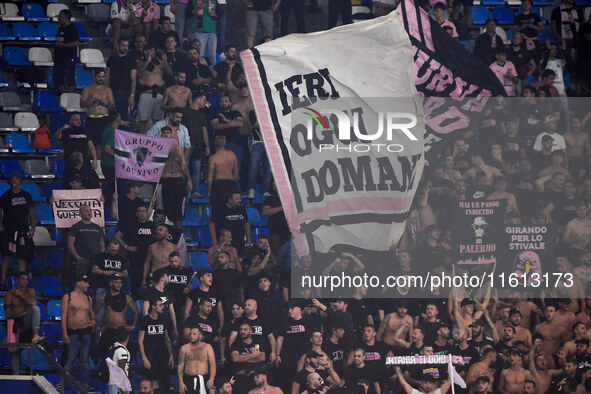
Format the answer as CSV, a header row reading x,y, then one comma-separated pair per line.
x,y
208,22
108,139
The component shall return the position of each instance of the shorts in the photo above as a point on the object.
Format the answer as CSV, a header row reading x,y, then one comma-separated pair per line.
x,y
173,195
94,125
221,190
17,243
252,22
193,383
148,107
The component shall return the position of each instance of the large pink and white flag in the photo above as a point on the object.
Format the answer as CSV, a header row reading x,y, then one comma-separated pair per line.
x,y
140,157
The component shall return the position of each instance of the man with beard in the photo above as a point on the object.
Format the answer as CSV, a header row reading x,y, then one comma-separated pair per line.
x,y
481,368
334,347
316,341
227,123
337,313
136,236
228,280
504,347
512,379
159,290
178,130
175,181
375,352
260,328
158,253
521,334
116,305
198,74
441,345
105,266
554,333
174,235
98,100
391,326
313,361
155,346
179,279
177,95
204,290
248,354
75,139
538,367
197,367
571,347
469,354
85,242
222,175
257,263
417,340
233,217
121,76
203,320
360,370
478,339
197,119
430,320
228,65
261,386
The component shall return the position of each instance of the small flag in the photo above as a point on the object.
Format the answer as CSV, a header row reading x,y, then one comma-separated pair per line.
x,y
456,378
117,376
140,157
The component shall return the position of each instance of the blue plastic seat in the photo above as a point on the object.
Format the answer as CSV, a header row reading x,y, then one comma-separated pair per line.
x,y
47,31
533,10
203,191
56,235
2,313
82,32
54,258
205,216
49,286
25,32
545,3
258,231
43,314
192,217
33,190
59,119
49,78
546,34
493,2
5,33
47,188
189,238
111,231
7,167
83,78
46,102
480,15
34,12
2,333
504,15
254,217
57,167
4,186
198,261
5,358
202,235
3,83
44,214
15,56
52,333
20,143
54,309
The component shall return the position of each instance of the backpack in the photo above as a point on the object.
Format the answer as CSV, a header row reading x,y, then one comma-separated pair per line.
x,y
103,369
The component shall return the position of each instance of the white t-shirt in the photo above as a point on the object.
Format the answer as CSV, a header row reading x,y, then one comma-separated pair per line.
x,y
121,354
415,391
557,144
120,12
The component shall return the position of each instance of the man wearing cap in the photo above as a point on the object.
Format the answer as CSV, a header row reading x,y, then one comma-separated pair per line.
x,y
558,143
316,340
334,347
85,242
579,333
512,379
78,320
204,290
196,365
105,265
261,384
116,305
248,354
441,344
396,324
18,209
521,334
312,363
478,340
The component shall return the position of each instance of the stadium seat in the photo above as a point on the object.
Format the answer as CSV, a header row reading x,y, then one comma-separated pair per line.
x,y
82,32
44,315
2,313
15,56
504,15
33,190
37,168
92,58
587,13
54,309
54,258
10,101
47,31
254,217
57,167
489,3
10,13
71,102
46,102
83,78
192,217
202,235
52,333
41,57
49,286
7,122
198,260
9,166
44,214
190,240
480,15
202,188
5,33
3,83
168,13
37,361
26,121
53,11
42,237
546,34
2,333
258,231
98,13
24,31
34,12
546,3
4,186
56,235
59,119
47,188
20,143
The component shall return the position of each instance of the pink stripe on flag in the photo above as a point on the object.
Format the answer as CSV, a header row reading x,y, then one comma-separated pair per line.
x,y
413,25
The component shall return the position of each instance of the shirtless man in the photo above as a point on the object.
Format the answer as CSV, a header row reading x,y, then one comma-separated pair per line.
x,y
526,308
479,165
584,315
392,323
175,179
464,313
178,95
116,305
98,100
77,322
512,379
521,334
577,147
151,71
21,304
261,384
577,233
538,367
500,193
197,364
158,252
244,106
570,348
480,368
554,333
222,173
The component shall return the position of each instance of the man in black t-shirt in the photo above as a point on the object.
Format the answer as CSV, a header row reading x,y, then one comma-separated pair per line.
x,y
232,216
529,24
155,346
75,139
85,242
204,320
179,279
360,370
136,236
196,119
65,52
121,78
334,347
248,354
277,222
128,203
16,239
105,265
261,328
227,123
204,291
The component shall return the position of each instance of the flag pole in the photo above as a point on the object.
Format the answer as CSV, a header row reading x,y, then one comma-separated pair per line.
x,y
117,200
153,195
451,375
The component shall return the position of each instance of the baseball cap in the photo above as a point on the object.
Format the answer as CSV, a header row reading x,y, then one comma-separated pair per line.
x,y
514,311
478,323
116,276
313,354
550,118
467,301
83,277
483,378
76,177
547,138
